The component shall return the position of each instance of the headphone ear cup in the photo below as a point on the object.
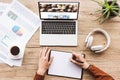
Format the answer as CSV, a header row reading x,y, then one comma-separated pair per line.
x,y
97,48
89,42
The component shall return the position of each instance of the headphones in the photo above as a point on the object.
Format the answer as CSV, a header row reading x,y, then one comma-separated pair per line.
x,y
98,48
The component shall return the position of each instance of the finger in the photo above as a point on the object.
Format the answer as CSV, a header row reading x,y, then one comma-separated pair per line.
x,y
81,56
40,53
78,54
73,61
75,55
44,52
51,59
48,53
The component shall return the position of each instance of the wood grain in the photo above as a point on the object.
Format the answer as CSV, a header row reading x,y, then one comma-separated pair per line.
x,y
109,61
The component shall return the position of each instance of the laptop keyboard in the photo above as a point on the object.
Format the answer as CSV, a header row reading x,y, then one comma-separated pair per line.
x,y
57,27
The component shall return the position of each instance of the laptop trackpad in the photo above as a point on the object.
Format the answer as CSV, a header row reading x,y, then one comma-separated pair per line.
x,y
58,40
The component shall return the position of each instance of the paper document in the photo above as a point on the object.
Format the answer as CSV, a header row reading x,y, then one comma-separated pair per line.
x,y
3,7
61,65
20,22
17,25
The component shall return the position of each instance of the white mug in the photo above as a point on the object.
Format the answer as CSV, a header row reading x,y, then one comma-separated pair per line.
x,y
14,52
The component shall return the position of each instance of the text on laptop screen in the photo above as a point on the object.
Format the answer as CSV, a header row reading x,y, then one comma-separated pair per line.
x,y
58,10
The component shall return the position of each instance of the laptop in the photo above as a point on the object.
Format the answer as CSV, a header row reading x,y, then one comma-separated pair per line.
x,y
58,23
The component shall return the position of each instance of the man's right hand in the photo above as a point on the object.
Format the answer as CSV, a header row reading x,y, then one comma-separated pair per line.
x,y
79,57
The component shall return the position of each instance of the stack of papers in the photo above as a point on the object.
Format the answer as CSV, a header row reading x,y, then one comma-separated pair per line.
x,y
3,7
17,25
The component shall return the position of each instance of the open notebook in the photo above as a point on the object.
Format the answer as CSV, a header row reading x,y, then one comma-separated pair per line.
x,y
61,66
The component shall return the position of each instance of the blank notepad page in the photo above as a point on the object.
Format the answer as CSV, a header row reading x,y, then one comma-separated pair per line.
x,y
61,65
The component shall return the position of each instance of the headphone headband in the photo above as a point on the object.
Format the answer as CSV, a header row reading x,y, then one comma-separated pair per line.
x,y
106,36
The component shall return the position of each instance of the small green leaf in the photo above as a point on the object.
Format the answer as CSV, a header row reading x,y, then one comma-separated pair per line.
x,y
114,9
105,1
108,15
116,13
105,12
113,2
99,18
102,10
99,3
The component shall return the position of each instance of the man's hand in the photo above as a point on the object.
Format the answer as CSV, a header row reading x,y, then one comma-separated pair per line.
x,y
79,57
43,61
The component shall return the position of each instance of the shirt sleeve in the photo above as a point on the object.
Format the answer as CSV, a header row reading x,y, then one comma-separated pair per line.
x,y
99,74
38,77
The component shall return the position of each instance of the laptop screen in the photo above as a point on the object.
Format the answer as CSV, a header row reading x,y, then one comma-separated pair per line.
x,y
57,10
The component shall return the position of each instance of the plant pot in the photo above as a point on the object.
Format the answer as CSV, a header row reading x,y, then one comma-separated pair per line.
x,y
112,14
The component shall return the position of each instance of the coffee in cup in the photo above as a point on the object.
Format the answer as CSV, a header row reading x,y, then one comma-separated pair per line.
x,y
15,50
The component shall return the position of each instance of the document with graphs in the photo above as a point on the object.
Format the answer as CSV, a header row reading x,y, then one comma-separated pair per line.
x,y
17,25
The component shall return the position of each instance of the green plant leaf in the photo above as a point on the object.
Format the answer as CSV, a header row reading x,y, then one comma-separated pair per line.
x,y
99,3
108,15
113,9
106,2
105,12
113,2
102,21
99,18
116,13
102,10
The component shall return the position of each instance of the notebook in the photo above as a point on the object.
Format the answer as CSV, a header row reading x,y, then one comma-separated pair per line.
x,y
61,66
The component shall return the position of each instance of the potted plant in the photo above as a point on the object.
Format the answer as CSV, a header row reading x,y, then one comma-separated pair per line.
x,y
109,9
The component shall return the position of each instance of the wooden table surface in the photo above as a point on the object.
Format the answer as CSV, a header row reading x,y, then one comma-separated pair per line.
x,y
109,61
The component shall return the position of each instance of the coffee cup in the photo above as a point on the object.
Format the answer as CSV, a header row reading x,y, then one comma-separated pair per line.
x,y
15,52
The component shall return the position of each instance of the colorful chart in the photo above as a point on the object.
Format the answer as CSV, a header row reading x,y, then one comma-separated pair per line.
x,y
18,30
12,15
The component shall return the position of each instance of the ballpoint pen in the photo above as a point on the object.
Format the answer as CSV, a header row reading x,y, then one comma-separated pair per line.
x,y
74,58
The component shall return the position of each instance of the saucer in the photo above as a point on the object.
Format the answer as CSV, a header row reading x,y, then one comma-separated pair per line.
x,y
19,56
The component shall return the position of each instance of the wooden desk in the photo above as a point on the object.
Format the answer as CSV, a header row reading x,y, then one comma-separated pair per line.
x,y
109,61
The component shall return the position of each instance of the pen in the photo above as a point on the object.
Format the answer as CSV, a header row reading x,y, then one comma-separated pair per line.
x,y
79,61
74,58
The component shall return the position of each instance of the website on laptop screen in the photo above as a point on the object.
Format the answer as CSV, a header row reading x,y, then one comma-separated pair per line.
x,y
58,10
